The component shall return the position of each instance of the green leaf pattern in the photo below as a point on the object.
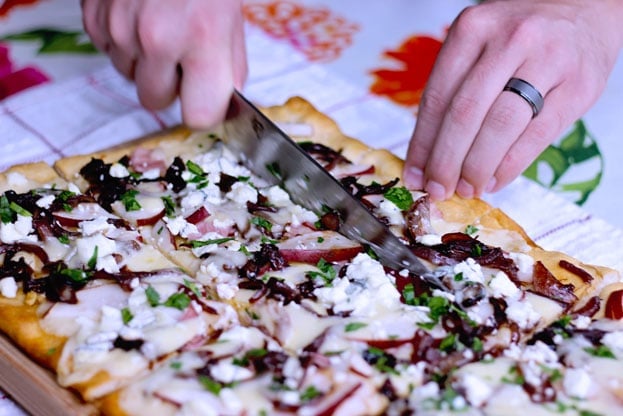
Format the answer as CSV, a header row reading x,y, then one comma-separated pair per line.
x,y
55,41
573,167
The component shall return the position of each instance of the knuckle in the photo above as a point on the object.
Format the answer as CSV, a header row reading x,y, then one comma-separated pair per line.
x,y
470,22
155,34
530,30
542,132
462,109
500,117
432,104
473,171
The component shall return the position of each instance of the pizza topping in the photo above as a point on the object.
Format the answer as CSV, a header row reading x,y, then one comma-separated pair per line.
x,y
312,247
173,175
8,287
590,308
417,220
614,305
578,271
458,247
546,284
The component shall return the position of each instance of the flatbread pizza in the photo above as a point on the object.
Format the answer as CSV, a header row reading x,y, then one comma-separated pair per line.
x,y
185,284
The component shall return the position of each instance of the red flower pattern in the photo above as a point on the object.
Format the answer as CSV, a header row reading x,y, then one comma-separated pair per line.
x,y
405,85
316,32
7,5
13,81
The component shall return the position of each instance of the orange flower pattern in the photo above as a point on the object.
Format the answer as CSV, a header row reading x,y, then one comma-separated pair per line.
x,y
7,5
316,32
404,85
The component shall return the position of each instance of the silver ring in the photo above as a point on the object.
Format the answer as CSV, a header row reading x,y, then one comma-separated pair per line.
x,y
526,91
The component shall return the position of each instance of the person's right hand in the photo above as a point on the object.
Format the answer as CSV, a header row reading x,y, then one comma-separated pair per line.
x,y
472,136
191,48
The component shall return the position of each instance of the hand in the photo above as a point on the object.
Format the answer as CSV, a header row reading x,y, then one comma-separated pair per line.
x,y
191,48
471,137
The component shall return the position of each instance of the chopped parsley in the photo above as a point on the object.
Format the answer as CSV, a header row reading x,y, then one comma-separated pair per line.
x,y
9,210
262,223
65,195
408,294
381,360
194,168
253,353
199,175
153,297
354,326
210,385
169,206
126,315
178,301
471,230
310,393
176,365
600,351
477,345
514,377
451,343
129,200
93,260
6,213
326,272
19,210
202,243
192,286
76,275
400,196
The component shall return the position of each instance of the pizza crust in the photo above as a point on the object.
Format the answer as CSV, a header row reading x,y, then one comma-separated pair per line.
x,y
455,210
19,318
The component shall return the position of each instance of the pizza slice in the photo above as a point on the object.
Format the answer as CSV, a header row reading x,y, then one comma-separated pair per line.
x,y
83,294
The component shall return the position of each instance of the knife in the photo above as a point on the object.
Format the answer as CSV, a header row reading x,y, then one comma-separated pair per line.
x,y
275,157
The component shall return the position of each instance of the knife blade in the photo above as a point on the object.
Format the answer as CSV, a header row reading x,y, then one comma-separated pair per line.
x,y
272,155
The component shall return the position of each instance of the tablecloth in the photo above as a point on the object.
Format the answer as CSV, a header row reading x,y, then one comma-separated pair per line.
x,y
364,63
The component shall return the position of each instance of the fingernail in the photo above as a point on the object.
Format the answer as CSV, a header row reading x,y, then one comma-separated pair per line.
x,y
464,189
491,185
436,190
414,178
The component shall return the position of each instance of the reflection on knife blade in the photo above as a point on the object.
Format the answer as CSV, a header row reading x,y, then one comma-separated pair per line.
x,y
276,158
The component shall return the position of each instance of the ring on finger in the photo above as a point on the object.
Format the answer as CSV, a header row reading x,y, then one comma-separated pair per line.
x,y
528,92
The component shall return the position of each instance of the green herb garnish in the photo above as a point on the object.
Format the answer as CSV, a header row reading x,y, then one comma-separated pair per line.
x,y
400,196
600,351
178,301
198,243
129,200
153,297
354,326
126,315
169,206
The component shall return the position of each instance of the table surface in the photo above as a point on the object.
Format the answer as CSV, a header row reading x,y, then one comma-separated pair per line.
x,y
364,63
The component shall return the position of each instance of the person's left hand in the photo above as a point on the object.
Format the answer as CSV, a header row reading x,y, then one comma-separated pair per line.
x,y
471,136
194,49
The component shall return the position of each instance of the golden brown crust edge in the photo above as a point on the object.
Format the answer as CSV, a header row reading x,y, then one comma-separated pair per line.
x,y
454,210
68,167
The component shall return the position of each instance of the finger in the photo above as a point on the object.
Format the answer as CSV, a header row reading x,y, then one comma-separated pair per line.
x,y
463,120
239,53
541,131
121,22
504,123
460,51
92,22
157,82
206,85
